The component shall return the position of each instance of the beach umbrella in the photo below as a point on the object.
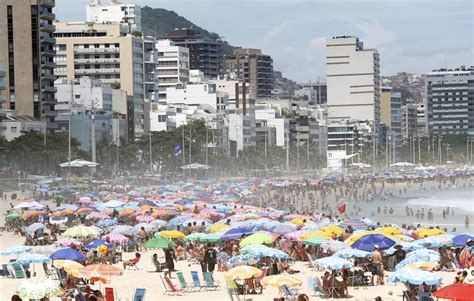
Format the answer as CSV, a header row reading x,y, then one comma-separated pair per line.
x,y
333,229
333,263
243,259
115,238
13,215
368,242
334,245
37,288
107,223
424,232
31,229
122,229
26,205
315,241
68,242
407,246
317,233
147,227
16,250
415,277
80,231
172,234
26,258
256,239
280,280
159,243
97,243
57,220
263,251
236,233
218,227
354,223
457,291
100,270
47,249
68,265
283,229
113,204
461,239
158,223
144,218
349,253
424,254
388,231
436,241
69,254
243,272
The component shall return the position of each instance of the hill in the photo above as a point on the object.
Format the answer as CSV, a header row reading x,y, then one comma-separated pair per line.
x,y
158,22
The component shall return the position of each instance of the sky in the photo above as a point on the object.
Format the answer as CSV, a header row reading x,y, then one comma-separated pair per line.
x,y
411,36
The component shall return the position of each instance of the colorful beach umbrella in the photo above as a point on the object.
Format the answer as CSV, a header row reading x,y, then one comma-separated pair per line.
x,y
37,288
236,233
315,241
457,291
159,243
69,254
115,238
80,231
333,263
16,250
97,243
172,234
256,239
243,272
368,242
100,270
415,277
280,280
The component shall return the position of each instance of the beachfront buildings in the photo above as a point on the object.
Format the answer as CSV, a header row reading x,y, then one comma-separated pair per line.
x,y
450,101
105,52
205,53
390,108
115,12
253,67
313,93
27,51
353,80
173,66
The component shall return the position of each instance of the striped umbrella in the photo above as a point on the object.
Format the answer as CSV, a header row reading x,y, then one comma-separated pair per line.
x,y
243,272
315,241
355,224
116,238
68,242
280,280
144,218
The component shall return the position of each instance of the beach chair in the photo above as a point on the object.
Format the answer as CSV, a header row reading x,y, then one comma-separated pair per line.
x,y
133,263
182,282
252,285
18,271
172,289
5,272
315,286
196,282
232,290
210,283
47,271
139,294
167,289
109,294
287,293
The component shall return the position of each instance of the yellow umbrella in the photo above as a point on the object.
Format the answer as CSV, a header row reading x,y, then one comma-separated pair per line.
x,y
315,234
426,266
333,230
243,272
279,280
422,233
69,266
298,221
218,227
388,231
172,234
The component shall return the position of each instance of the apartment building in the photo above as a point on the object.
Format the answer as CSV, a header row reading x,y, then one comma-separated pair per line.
x,y
115,12
253,67
27,51
390,116
105,52
173,66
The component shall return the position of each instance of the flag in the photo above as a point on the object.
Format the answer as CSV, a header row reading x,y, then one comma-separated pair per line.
x,y
341,208
178,150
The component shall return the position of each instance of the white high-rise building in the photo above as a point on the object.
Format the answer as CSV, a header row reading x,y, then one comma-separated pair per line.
x,y
115,12
353,80
173,66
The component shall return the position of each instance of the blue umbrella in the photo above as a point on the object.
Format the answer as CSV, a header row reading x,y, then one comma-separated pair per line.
x,y
33,258
283,229
461,240
15,250
424,255
69,254
333,263
348,253
177,221
407,246
236,233
243,259
368,242
415,277
97,243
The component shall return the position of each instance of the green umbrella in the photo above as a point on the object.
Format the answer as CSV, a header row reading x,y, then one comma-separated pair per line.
x,y
315,241
59,198
194,236
13,215
256,239
203,237
159,243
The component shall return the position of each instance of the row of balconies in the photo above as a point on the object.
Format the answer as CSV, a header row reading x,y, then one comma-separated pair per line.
x,y
95,61
47,38
47,3
97,50
97,71
47,27
47,15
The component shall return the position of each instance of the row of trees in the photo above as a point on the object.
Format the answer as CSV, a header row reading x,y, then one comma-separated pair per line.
x,y
169,151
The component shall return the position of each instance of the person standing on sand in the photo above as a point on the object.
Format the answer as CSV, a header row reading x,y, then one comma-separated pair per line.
x,y
377,265
170,258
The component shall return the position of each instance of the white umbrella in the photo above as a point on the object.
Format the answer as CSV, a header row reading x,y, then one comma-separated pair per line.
x,y
31,229
25,205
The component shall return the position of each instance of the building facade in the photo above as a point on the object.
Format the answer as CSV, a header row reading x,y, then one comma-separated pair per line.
x,y
205,54
450,101
390,116
173,66
105,52
353,80
409,123
115,12
27,51
313,93
253,67
15,125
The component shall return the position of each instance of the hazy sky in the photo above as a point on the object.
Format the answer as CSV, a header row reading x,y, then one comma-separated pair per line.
x,y
413,36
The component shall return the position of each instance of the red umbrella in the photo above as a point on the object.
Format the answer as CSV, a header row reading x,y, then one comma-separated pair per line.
x,y
458,292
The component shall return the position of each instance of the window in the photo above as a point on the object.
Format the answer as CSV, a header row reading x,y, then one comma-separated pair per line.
x,y
14,129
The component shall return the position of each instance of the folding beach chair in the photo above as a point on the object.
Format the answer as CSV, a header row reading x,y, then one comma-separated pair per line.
x,y
196,281
182,282
210,283
139,294
315,286
109,294
233,290
47,271
172,289
18,271
288,293
5,271
252,286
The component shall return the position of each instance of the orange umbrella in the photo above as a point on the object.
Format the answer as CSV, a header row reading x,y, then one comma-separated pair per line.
x,y
99,270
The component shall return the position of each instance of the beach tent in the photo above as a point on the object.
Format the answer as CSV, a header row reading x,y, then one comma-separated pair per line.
x,y
79,164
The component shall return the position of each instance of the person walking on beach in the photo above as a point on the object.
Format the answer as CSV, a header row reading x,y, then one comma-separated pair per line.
x,y
210,258
377,265
170,257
